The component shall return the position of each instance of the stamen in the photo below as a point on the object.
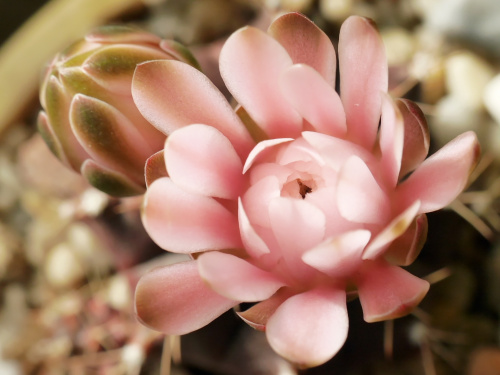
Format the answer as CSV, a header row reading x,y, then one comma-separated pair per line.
x,y
303,188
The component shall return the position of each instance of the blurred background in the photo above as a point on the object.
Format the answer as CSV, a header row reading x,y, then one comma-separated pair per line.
x,y
70,256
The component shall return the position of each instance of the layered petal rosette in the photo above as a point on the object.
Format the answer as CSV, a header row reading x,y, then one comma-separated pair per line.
x,y
90,121
298,197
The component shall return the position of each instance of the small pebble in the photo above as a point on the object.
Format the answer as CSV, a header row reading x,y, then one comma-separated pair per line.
x,y
452,118
119,293
466,78
336,10
63,268
399,45
296,5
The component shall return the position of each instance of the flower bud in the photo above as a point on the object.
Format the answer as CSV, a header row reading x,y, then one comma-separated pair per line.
x,y
90,121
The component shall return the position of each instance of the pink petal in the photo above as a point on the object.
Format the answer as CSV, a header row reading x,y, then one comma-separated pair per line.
x,y
251,63
359,197
363,75
298,150
253,243
183,222
314,99
336,151
237,279
309,328
340,255
263,170
326,200
417,138
405,249
175,300
306,44
171,94
203,161
298,226
257,198
396,228
441,177
391,140
389,292
262,150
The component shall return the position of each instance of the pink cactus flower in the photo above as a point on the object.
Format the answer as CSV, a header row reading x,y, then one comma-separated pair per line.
x,y
296,199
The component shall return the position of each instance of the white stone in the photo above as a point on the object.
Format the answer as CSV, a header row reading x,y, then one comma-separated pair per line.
x,y
93,202
296,5
336,10
491,98
133,355
63,268
119,293
9,367
466,77
452,118
399,45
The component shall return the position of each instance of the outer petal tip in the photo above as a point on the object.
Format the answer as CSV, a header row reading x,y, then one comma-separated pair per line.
x,y
389,292
175,300
309,328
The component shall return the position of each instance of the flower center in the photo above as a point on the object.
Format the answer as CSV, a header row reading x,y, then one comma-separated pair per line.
x,y
298,187
303,188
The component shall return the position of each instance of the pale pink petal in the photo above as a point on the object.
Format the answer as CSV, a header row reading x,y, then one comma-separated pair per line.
x,y
175,300
253,243
298,226
251,63
396,228
363,75
262,150
314,99
237,279
309,328
359,196
171,94
183,222
417,137
336,151
263,170
298,150
202,160
339,255
391,140
305,43
326,200
442,176
389,292
257,198
405,249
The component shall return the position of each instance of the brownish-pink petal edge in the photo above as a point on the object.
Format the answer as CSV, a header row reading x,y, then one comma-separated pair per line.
x,y
305,43
416,138
404,250
175,300
171,94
